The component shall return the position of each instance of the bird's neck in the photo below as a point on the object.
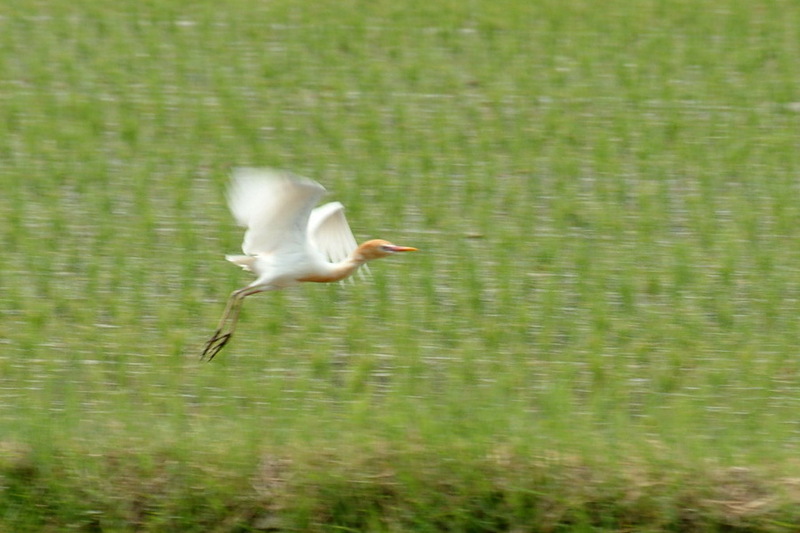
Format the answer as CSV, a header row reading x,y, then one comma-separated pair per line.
x,y
346,267
337,271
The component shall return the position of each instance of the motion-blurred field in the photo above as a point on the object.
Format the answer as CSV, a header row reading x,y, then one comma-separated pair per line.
x,y
600,334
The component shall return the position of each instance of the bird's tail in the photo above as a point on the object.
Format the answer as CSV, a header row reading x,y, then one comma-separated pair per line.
x,y
244,261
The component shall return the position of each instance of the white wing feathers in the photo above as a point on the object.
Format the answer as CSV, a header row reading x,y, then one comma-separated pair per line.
x,y
277,210
273,206
330,233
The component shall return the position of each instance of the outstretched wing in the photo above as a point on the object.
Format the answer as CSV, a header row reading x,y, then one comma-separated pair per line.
x,y
330,233
274,206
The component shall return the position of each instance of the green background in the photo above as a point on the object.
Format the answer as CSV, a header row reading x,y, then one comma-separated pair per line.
x,y
600,332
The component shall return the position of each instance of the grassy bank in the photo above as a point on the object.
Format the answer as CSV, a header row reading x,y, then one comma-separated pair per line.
x,y
600,334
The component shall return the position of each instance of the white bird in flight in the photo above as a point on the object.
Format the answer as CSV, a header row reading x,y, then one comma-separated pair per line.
x,y
287,241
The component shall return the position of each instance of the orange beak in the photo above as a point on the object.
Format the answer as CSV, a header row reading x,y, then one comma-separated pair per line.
x,y
396,248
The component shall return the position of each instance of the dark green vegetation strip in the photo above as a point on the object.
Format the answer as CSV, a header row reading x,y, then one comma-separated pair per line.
x,y
385,490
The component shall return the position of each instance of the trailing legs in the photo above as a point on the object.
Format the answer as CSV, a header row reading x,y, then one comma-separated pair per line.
x,y
227,323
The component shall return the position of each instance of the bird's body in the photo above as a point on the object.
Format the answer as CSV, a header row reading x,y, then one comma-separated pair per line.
x,y
288,241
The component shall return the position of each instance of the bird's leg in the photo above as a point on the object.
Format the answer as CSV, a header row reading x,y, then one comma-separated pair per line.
x,y
225,328
220,338
227,324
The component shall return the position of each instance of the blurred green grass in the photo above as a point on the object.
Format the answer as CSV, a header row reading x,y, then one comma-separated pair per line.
x,y
604,311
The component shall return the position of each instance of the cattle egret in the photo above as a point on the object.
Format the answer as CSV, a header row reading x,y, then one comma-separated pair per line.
x,y
287,241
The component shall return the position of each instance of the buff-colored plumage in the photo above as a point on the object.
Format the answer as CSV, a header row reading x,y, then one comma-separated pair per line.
x,y
288,241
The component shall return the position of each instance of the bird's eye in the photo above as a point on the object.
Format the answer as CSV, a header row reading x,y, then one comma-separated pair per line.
x,y
387,248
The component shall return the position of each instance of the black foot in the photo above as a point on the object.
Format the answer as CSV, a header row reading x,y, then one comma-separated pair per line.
x,y
214,345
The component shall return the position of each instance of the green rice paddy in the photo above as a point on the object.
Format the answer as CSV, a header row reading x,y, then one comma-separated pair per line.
x,y
600,332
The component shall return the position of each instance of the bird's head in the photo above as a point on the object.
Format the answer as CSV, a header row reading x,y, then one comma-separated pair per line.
x,y
377,248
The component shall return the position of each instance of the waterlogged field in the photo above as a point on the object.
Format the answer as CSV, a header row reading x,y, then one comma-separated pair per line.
x,y
600,332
